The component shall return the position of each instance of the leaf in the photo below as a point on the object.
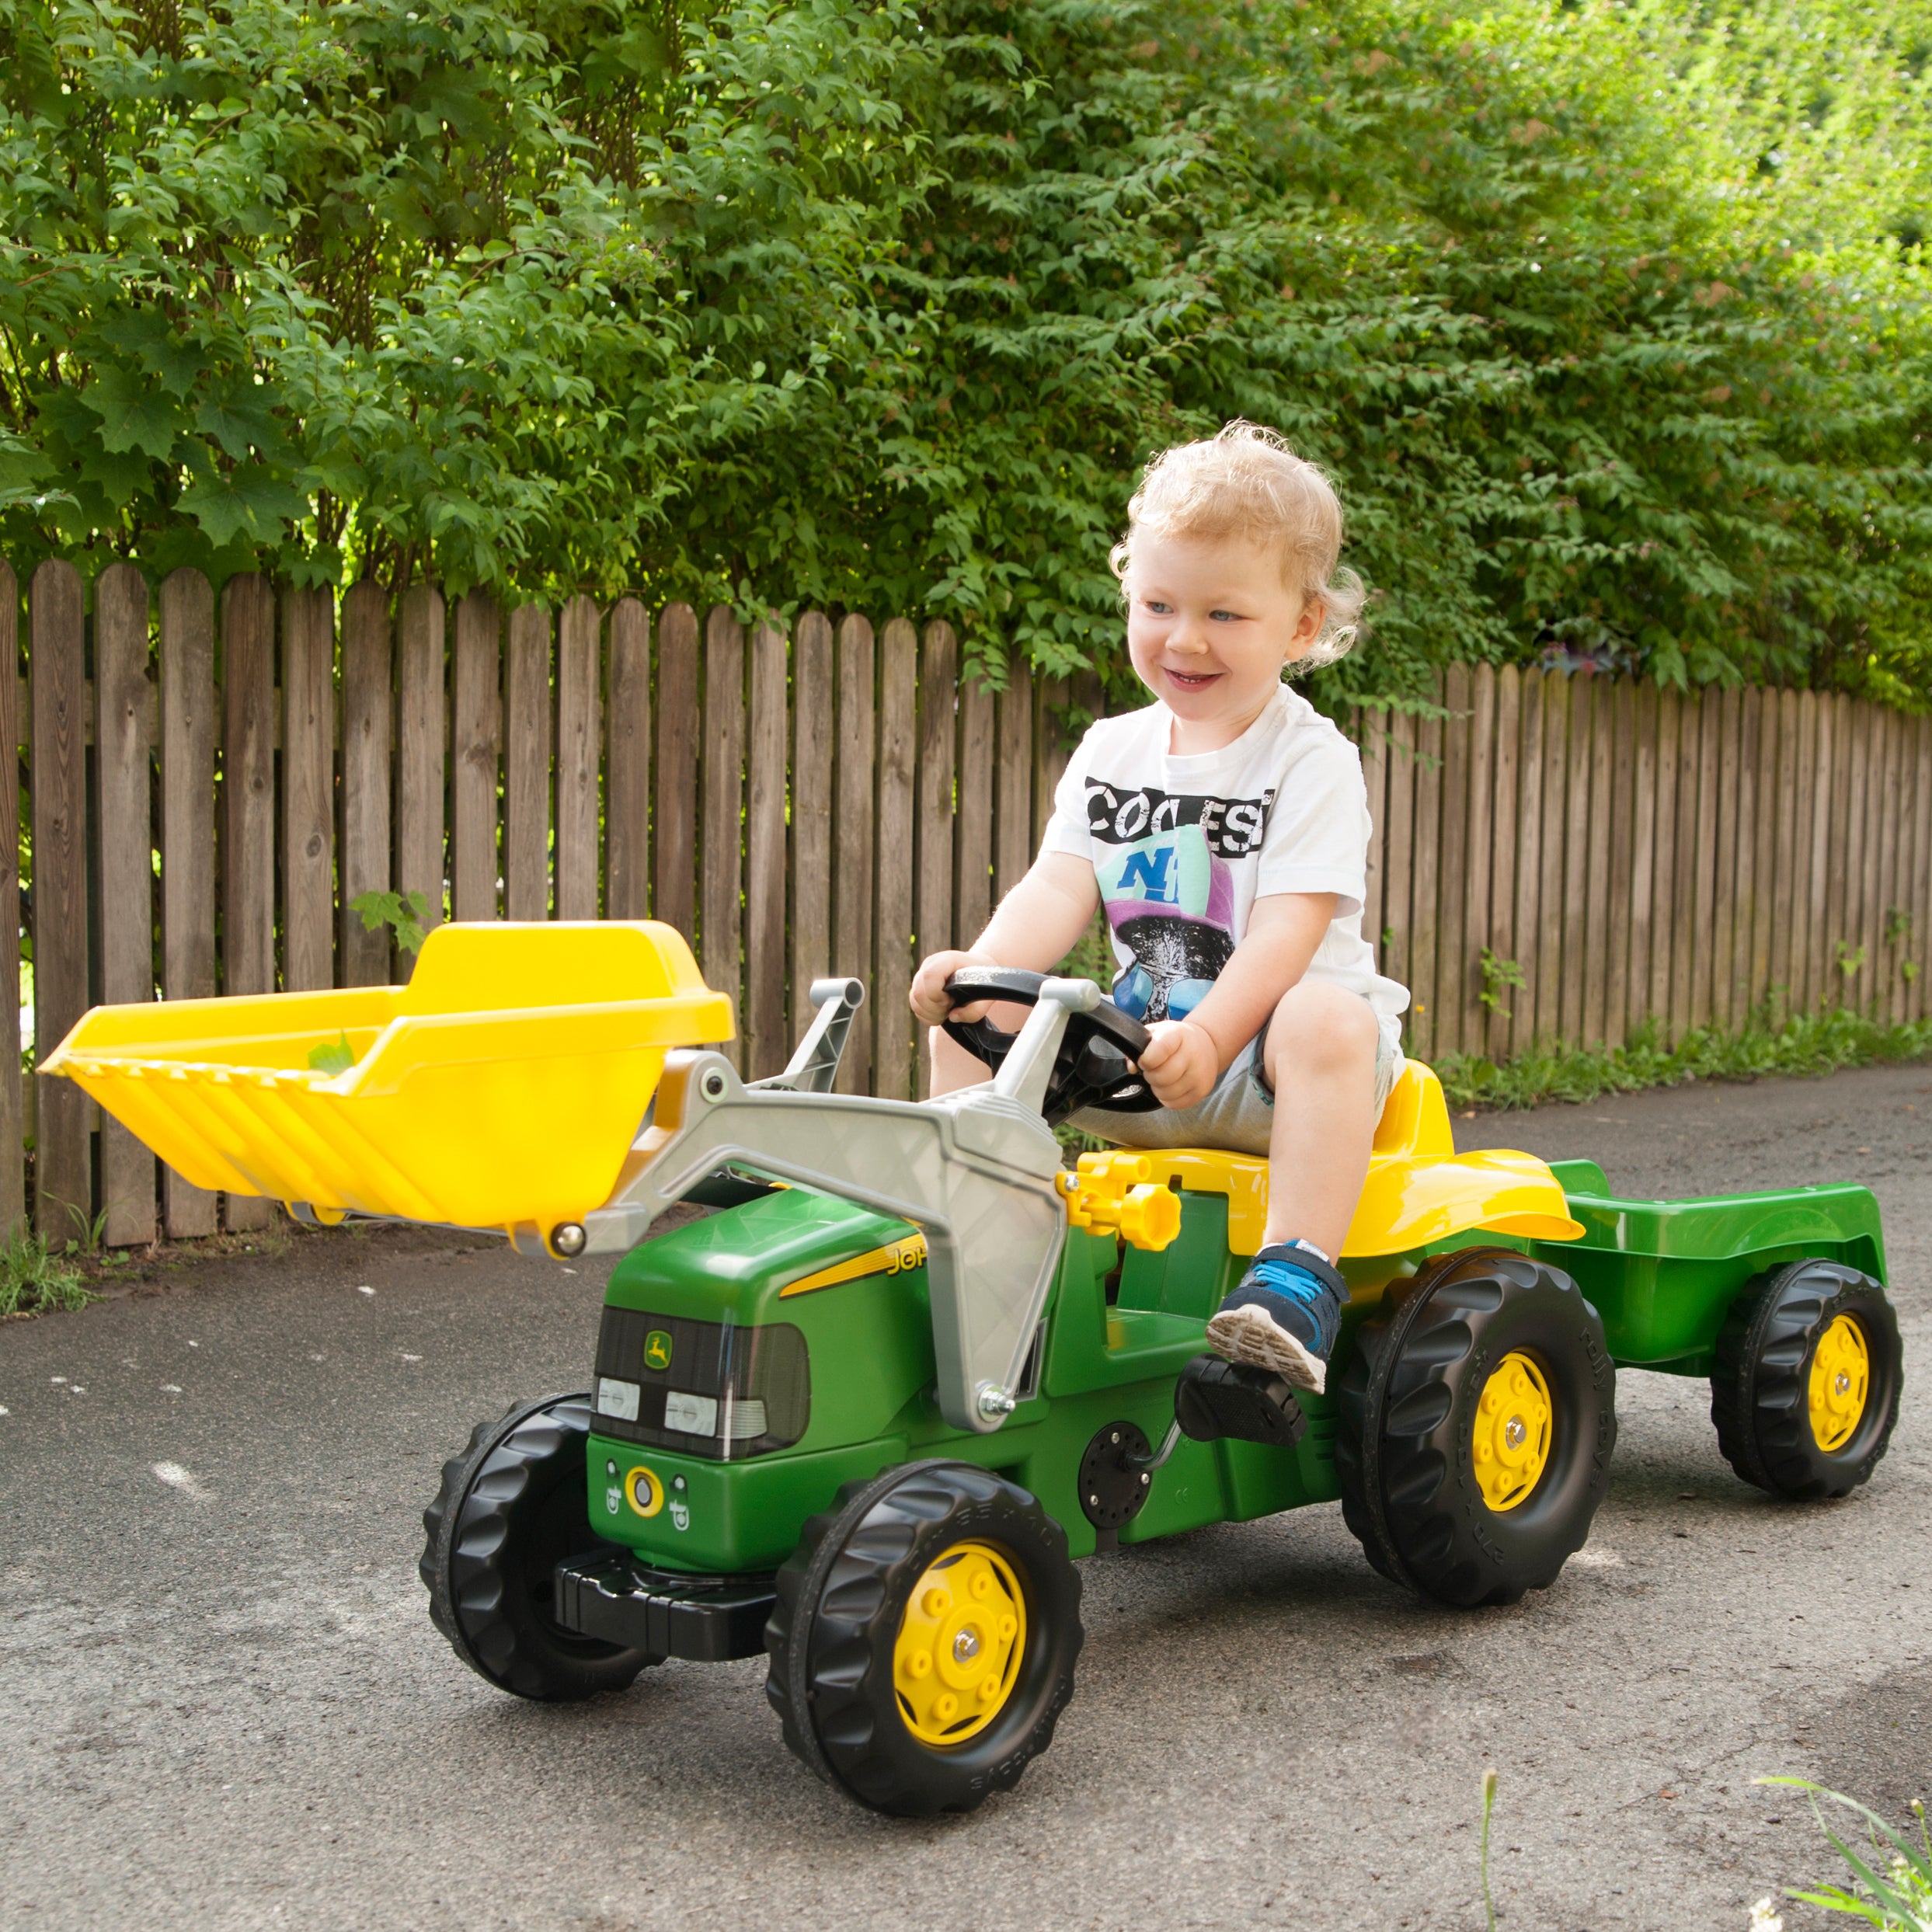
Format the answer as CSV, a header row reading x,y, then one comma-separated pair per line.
x,y
133,412
241,421
173,362
333,1056
251,501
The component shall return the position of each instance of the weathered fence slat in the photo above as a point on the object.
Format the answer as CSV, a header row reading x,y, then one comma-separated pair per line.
x,y
367,712
852,833
527,716
187,835
1597,863
767,1048
1556,695
421,736
1399,848
722,775
813,710
1575,923
124,860
898,683
309,790
674,826
12,1101
1643,859
1013,825
1426,859
476,738
247,786
57,644
579,758
938,717
1531,705
1452,867
1479,995
627,765
1504,854
972,901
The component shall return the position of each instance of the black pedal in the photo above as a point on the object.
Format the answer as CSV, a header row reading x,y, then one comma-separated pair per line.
x,y
1214,1400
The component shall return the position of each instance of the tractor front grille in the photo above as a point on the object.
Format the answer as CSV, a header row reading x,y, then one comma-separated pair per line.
x,y
706,1388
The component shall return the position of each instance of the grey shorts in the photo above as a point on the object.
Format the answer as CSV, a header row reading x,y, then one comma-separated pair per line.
x,y
1238,1115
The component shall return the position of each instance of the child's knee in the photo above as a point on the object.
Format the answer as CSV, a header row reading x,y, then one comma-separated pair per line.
x,y
1321,1028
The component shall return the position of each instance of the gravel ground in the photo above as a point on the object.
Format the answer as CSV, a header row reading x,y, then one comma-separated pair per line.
x,y
224,1705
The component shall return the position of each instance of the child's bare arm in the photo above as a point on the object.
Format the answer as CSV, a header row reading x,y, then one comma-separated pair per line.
x,y
1034,928
1187,1057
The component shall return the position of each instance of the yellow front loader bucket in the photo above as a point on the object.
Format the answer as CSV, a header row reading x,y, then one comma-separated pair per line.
x,y
501,1087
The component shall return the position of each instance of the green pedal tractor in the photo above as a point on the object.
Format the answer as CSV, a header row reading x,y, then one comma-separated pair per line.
x,y
867,1415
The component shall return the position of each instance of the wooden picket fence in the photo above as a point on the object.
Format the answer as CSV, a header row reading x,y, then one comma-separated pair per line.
x,y
212,781
1633,855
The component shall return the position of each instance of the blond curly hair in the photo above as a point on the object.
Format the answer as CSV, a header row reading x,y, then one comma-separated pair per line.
x,y
1247,482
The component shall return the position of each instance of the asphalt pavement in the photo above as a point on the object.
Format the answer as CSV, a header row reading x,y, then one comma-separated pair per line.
x,y
222,1703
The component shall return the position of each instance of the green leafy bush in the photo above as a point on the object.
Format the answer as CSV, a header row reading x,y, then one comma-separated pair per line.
x,y
882,305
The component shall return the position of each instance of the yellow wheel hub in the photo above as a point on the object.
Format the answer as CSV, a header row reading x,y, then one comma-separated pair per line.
x,y
959,1645
1512,1447
1841,1379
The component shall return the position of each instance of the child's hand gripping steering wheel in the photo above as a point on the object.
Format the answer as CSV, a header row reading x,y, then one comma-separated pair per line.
x,y
1095,1067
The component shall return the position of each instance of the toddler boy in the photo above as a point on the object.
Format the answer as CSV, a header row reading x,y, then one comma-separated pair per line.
x,y
1225,830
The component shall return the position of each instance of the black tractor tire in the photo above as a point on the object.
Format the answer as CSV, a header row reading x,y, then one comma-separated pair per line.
x,y
1760,1386
841,1597
1407,1405
512,1507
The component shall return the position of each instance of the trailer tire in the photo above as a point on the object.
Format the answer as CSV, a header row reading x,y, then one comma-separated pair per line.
x,y
510,1508
1428,1509
1767,1414
838,1635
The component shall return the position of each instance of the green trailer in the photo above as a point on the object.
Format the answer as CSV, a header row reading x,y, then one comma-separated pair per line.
x,y
867,1415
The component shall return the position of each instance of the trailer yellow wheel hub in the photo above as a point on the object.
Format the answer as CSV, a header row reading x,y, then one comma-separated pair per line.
x,y
1511,1446
959,1645
1841,1379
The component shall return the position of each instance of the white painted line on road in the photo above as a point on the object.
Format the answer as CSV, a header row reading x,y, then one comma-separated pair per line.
x,y
176,1478
363,1288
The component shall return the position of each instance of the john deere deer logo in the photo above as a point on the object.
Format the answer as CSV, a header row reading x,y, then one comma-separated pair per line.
x,y
657,1349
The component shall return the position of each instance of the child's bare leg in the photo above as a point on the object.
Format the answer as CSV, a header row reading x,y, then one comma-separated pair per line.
x,y
1322,1050
1283,1314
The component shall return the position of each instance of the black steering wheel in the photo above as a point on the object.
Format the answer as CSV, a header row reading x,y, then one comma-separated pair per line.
x,y
1095,1067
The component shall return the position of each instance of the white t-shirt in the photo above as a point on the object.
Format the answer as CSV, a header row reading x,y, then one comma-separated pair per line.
x,y
1182,848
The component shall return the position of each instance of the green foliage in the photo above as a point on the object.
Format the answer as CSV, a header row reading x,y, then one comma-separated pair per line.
x,y
406,914
1809,1043
33,1281
1892,1882
883,306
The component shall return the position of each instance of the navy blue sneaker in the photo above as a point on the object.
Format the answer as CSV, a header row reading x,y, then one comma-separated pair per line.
x,y
1283,1316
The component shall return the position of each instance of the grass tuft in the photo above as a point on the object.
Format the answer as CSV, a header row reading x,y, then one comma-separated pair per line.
x,y
35,1281
1804,1043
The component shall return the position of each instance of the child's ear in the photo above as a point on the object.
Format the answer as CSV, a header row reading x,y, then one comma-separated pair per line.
x,y
1314,614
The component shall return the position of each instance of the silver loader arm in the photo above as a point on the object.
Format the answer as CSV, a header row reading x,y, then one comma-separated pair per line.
x,y
974,1171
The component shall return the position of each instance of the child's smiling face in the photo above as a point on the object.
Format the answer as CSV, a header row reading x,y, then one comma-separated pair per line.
x,y
1210,624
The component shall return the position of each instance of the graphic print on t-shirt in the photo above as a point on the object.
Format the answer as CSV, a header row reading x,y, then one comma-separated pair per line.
x,y
1170,900
1231,828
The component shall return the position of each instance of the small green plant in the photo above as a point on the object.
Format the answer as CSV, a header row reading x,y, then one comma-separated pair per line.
x,y
406,915
1898,926
1850,960
33,1281
1499,976
89,1230
1488,1804
1898,1899
1800,1043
